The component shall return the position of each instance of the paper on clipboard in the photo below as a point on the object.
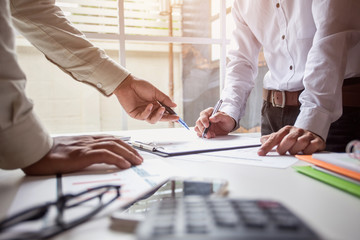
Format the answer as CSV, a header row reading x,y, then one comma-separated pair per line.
x,y
190,144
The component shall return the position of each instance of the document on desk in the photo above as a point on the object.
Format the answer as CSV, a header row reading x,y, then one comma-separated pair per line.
x,y
246,156
33,190
170,145
134,181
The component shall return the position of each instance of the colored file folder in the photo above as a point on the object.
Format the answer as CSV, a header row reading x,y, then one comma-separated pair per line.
x,y
337,182
335,168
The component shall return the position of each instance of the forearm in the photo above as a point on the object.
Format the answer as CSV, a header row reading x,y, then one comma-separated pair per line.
x,y
23,140
242,68
46,27
236,92
330,60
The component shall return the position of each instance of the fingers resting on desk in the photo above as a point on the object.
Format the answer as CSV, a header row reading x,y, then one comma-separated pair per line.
x,y
73,153
293,140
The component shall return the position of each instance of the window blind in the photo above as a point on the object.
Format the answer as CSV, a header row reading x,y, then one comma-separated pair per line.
x,y
142,17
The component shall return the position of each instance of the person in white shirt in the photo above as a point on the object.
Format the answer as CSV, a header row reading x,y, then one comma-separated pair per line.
x,y
24,142
312,88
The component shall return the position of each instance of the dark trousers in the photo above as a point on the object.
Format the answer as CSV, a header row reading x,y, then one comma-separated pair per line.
x,y
344,130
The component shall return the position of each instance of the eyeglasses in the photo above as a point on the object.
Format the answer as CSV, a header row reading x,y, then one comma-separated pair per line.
x,y
67,212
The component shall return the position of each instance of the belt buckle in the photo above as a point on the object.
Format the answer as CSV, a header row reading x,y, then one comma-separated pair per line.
x,y
283,99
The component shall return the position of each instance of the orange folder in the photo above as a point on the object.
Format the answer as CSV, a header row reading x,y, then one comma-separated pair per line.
x,y
329,166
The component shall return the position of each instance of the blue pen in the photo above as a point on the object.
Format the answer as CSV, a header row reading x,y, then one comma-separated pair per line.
x,y
169,110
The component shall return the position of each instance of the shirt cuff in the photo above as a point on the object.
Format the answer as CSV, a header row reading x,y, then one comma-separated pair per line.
x,y
24,144
108,76
314,121
232,112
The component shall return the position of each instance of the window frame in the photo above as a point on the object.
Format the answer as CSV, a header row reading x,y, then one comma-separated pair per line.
x,y
122,37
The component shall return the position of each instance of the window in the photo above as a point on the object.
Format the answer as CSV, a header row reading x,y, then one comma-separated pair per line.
x,y
178,45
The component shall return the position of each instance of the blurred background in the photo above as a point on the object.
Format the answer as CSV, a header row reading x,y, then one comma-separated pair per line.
x,y
178,45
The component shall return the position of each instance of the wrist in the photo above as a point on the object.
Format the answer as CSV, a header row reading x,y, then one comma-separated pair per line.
x,y
124,84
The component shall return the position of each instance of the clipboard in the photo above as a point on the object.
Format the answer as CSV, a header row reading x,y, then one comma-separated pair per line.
x,y
196,145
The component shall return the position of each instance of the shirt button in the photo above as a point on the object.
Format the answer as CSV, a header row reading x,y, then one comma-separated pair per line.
x,y
291,67
99,85
278,5
283,37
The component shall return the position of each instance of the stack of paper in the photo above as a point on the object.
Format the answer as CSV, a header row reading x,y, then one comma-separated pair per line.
x,y
336,169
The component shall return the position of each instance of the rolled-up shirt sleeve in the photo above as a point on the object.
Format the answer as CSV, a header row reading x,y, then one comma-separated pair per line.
x,y
23,140
45,26
242,68
333,57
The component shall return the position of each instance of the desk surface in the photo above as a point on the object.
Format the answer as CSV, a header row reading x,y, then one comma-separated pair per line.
x,y
332,213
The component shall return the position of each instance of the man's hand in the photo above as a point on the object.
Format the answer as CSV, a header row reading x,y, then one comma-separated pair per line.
x,y
140,100
74,153
293,140
221,123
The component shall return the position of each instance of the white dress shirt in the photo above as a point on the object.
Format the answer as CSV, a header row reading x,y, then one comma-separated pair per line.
x,y
308,44
23,140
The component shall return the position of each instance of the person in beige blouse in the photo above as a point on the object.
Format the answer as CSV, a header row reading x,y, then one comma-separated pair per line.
x,y
24,142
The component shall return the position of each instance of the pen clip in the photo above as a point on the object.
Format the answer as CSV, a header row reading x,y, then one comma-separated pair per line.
x,y
146,146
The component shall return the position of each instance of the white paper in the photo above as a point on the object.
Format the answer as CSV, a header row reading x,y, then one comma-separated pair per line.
x,y
134,181
339,159
246,156
34,191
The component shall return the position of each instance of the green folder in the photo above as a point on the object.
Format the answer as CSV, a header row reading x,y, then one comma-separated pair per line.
x,y
337,182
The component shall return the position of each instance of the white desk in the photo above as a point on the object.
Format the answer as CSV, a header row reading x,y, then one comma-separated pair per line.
x,y
333,214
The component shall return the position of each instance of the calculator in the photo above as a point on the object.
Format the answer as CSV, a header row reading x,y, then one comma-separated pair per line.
x,y
210,218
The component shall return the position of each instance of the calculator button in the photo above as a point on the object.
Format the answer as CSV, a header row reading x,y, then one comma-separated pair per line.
x,y
251,210
278,211
227,212
224,221
196,217
255,220
245,204
286,222
197,227
268,204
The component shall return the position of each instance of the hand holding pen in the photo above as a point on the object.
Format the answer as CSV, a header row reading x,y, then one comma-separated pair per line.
x,y
216,109
170,111
221,123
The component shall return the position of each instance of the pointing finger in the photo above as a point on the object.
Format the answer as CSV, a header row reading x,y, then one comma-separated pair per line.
x,y
273,140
